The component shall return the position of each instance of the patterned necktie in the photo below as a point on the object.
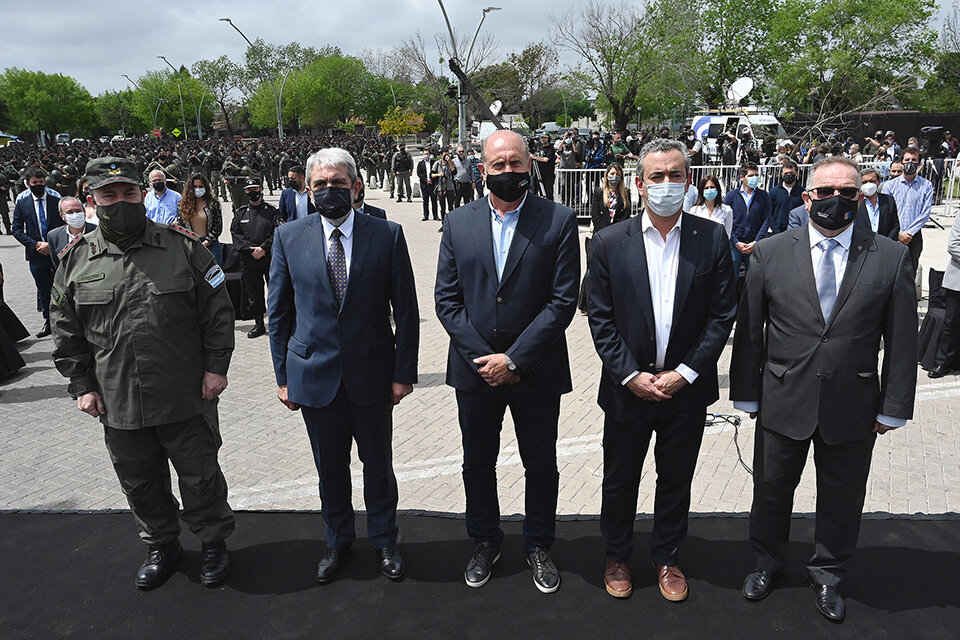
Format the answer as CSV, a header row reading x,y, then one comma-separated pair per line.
x,y
43,219
337,266
827,277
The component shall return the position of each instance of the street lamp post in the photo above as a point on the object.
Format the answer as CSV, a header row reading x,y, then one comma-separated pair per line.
x,y
196,108
180,93
273,85
462,97
156,111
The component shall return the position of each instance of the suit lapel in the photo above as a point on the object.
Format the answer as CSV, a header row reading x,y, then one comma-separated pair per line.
x,y
637,266
361,244
689,250
860,243
530,217
801,251
483,237
319,252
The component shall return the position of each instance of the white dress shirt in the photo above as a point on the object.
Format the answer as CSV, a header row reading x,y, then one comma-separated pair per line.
x,y
346,239
873,210
46,213
663,259
722,213
840,265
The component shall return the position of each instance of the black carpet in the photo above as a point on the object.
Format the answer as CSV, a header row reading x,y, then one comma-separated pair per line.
x,y
72,576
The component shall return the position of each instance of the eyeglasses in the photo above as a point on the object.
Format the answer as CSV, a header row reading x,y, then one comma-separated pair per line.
x,y
849,193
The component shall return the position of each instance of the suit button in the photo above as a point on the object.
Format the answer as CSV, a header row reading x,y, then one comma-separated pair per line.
x,y
499,299
494,332
652,365
818,373
823,339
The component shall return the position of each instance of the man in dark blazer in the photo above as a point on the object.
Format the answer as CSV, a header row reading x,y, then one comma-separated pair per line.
x,y
662,303
72,213
785,196
361,207
427,186
877,210
295,200
506,290
816,304
333,281
752,215
34,216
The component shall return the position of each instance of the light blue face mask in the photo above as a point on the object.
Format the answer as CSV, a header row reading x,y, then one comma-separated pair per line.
x,y
710,194
753,181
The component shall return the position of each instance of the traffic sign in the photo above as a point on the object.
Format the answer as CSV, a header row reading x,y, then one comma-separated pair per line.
x,y
176,133
156,133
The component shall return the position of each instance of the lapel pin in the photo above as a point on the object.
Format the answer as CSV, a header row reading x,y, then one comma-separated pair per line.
x,y
859,247
694,232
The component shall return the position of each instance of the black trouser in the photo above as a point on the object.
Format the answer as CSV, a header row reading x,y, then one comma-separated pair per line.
x,y
914,248
464,192
950,337
141,459
5,214
679,433
535,421
331,430
42,272
842,471
255,274
546,182
429,197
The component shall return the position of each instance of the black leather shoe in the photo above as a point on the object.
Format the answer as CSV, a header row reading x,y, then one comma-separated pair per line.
x,y
829,602
758,585
485,555
545,573
45,331
391,563
159,564
215,566
938,371
257,331
330,564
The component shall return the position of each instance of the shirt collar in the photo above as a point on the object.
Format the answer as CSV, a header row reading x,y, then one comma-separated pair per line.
x,y
493,212
845,237
646,224
346,228
359,209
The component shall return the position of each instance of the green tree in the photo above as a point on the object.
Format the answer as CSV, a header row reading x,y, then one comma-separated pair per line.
x,y
115,112
37,101
401,122
220,77
497,82
536,67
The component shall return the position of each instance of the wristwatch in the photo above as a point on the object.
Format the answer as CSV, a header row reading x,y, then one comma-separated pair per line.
x,y
511,365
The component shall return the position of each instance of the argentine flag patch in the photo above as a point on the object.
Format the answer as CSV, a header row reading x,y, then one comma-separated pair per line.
x,y
215,276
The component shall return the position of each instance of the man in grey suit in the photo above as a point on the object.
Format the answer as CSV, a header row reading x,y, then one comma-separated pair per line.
x,y
817,301
950,338
74,215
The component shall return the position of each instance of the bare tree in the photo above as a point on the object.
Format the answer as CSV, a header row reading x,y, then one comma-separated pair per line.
x,y
431,84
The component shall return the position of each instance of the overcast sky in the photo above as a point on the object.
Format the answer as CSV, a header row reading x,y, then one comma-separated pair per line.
x,y
96,42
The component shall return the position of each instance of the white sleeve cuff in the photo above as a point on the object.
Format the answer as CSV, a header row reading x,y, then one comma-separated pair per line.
x,y
688,374
890,421
746,407
629,378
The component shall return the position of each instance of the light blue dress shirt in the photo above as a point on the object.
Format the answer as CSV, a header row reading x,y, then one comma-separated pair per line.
x,y
164,208
914,201
503,230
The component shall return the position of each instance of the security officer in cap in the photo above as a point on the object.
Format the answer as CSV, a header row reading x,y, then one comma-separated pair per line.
x,y
143,328
252,230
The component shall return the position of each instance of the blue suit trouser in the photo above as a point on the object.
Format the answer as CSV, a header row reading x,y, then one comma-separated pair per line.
x,y
42,273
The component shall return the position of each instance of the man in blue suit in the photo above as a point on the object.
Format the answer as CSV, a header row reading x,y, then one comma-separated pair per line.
x,y
363,208
752,215
33,217
334,278
295,200
507,283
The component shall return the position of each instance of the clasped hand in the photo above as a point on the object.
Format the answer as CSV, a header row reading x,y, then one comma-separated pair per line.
x,y
494,371
656,387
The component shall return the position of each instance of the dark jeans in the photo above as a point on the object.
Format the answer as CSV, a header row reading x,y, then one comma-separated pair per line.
x,y
679,433
331,430
535,421
950,337
141,459
42,272
842,473
255,275
429,198
446,200
464,192
915,248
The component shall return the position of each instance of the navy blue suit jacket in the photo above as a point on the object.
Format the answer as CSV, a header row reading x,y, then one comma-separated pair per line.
x,y
288,205
622,320
782,201
316,346
526,313
376,212
26,229
749,225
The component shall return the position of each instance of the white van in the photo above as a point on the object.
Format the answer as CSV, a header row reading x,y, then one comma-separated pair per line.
x,y
710,125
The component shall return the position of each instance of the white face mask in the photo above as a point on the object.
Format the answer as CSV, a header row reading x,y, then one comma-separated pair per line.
x,y
868,189
665,199
199,192
75,219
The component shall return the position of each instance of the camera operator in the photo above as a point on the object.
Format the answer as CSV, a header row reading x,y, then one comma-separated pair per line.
x,y
546,158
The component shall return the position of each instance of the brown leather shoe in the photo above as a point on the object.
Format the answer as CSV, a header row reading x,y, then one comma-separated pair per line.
x,y
617,579
673,586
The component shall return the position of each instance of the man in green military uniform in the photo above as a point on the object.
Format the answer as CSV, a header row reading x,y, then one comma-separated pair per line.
x,y
143,328
233,179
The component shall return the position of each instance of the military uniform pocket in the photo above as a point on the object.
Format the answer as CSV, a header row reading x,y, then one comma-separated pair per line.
x,y
173,299
95,311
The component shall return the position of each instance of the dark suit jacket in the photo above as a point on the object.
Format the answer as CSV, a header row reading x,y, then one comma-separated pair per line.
x,y
526,313
26,229
622,320
59,238
750,224
600,214
376,212
781,202
423,171
288,205
317,346
889,223
807,374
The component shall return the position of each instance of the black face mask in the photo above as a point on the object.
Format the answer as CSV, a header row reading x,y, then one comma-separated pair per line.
x,y
159,187
789,178
254,196
360,196
509,186
293,184
833,213
38,189
333,202
122,222
910,168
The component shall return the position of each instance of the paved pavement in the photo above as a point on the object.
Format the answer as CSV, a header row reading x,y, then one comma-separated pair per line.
x,y
53,458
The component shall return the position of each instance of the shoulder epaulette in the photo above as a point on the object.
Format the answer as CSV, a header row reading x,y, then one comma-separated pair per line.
x,y
67,248
184,232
